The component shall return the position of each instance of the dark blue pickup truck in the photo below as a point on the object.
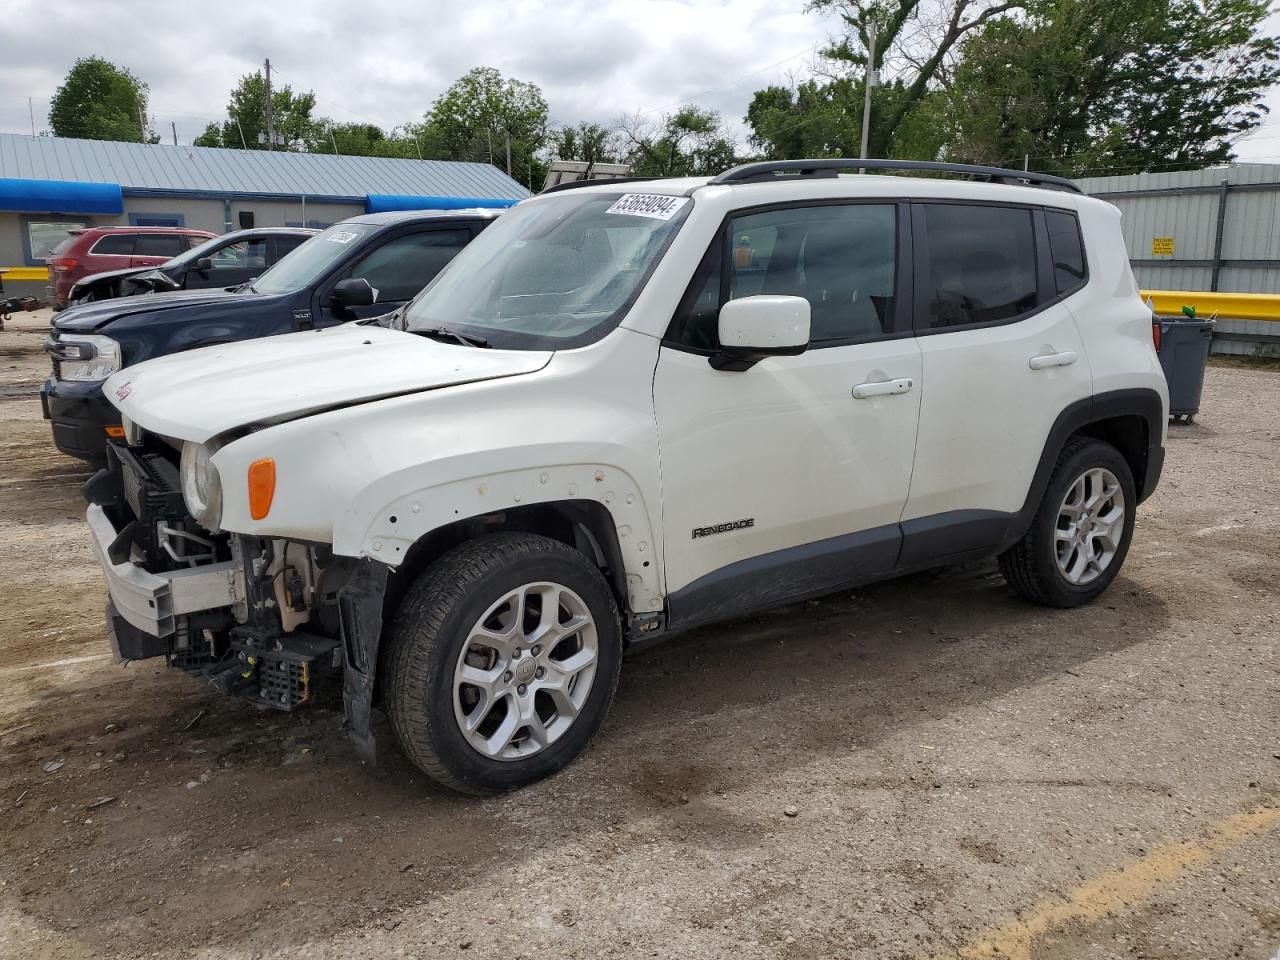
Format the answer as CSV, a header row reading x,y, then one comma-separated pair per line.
x,y
360,268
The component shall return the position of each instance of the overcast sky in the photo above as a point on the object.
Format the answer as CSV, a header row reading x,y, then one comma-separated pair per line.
x,y
386,60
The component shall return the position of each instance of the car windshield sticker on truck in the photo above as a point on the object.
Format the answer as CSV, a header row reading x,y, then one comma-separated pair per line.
x,y
652,205
342,237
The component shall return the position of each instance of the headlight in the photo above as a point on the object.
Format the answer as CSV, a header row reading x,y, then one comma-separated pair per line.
x,y
87,357
201,488
132,432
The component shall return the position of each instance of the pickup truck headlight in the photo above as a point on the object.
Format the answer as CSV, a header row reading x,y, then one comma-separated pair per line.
x,y
86,357
201,487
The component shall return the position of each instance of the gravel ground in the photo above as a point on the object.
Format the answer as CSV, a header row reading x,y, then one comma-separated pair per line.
x,y
970,776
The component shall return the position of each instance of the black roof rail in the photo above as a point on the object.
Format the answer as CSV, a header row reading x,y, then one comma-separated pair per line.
x,y
602,182
767,170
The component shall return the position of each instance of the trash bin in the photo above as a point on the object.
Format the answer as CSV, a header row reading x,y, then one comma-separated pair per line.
x,y
1182,344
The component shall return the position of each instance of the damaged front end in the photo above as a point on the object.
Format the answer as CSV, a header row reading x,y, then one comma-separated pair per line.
x,y
279,622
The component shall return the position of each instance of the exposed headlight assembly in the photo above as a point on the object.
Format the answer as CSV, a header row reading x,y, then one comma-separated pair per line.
x,y
87,357
201,487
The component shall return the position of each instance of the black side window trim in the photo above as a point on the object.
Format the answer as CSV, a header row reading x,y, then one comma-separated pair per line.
x,y
1045,295
903,280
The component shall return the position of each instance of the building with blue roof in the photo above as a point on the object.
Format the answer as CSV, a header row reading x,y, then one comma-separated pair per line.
x,y
51,185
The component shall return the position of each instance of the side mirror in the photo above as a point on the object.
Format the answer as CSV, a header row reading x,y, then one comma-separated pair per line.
x,y
752,328
352,292
203,265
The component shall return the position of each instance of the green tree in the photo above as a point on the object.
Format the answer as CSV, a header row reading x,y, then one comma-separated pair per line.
x,y
100,101
247,117
820,118
691,142
1098,87
361,140
588,142
480,114
917,46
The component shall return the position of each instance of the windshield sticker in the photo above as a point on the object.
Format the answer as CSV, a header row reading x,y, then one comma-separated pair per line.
x,y
651,205
342,237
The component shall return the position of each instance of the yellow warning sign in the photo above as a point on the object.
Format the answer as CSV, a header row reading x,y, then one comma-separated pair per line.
x,y
1162,246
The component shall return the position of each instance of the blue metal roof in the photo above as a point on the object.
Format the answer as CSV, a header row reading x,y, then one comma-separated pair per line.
x,y
382,202
159,168
60,196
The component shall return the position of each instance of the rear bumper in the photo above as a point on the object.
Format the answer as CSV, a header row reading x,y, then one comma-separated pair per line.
x,y
79,415
150,601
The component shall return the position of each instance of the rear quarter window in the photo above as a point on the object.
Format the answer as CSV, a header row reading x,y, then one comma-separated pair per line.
x,y
1069,267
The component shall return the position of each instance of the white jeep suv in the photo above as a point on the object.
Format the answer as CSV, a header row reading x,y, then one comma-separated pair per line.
x,y
623,411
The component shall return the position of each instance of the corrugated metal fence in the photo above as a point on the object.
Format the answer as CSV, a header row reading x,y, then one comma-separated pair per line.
x,y
1206,230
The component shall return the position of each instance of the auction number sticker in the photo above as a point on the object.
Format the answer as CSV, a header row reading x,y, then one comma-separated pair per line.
x,y
342,237
652,205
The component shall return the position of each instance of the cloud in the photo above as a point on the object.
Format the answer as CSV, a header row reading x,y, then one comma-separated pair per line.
x,y
385,61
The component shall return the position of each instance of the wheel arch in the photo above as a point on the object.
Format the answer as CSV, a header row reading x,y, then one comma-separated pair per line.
x,y
595,508
1130,420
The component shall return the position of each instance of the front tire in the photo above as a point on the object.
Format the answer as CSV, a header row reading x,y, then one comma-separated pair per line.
x,y
502,662
1081,531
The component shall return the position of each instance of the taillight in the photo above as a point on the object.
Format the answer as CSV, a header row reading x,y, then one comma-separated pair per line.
x,y
1155,334
64,263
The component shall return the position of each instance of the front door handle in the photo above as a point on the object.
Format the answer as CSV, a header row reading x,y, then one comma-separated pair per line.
x,y
1063,359
882,388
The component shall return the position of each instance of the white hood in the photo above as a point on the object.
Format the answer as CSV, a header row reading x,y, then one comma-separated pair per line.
x,y
202,393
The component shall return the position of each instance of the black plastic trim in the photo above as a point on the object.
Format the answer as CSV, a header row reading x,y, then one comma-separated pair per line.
x,y
1143,402
770,170
942,538
782,576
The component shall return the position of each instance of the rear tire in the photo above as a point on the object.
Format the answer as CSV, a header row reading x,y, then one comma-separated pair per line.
x,y
1081,531
489,686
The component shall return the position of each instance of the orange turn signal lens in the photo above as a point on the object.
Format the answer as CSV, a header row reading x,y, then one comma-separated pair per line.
x,y
262,487
115,433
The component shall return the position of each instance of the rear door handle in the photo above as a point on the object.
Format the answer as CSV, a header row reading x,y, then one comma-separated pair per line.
x,y
1063,359
882,388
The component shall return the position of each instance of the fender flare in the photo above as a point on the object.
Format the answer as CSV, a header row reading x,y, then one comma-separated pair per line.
x,y
1142,401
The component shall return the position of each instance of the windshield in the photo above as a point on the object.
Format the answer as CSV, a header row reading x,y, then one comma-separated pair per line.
x,y
553,274
309,262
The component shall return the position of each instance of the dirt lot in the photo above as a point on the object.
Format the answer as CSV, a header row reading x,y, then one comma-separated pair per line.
x,y
971,776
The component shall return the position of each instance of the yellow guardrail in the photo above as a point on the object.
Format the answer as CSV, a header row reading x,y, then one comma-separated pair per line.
x,y
1227,306
24,273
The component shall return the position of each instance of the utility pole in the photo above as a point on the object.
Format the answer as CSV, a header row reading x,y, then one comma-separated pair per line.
x,y
871,82
174,127
271,127
508,153
31,111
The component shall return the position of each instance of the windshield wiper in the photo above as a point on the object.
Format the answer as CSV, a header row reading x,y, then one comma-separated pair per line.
x,y
443,333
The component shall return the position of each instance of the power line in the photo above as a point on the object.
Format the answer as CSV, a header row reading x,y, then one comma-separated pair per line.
x,y
732,83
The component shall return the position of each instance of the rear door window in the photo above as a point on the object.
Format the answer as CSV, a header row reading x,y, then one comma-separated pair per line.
x,y
158,245
115,245
982,265
285,244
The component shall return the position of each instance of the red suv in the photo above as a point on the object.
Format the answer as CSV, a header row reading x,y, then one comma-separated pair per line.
x,y
95,249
